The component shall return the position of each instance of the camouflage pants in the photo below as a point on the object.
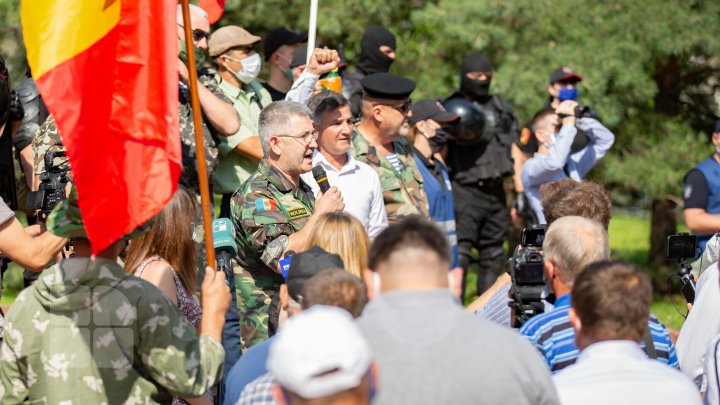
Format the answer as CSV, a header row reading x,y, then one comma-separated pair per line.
x,y
254,293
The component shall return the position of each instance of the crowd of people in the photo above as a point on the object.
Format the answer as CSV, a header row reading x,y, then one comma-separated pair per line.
x,y
358,214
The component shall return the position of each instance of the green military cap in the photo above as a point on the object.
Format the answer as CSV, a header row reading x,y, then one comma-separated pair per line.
x,y
65,220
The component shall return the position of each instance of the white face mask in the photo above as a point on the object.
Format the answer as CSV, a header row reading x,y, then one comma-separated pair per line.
x,y
251,68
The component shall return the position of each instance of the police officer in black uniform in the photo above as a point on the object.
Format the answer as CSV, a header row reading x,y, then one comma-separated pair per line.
x,y
479,158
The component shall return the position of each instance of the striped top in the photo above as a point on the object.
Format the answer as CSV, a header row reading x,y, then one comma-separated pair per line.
x,y
394,161
552,334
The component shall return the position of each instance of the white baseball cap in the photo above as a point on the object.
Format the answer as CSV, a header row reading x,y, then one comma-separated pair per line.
x,y
319,352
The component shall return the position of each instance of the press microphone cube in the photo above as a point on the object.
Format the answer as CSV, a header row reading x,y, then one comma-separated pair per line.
x,y
224,236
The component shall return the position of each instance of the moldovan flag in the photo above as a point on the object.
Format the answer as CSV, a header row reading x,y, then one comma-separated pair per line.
x,y
107,70
214,9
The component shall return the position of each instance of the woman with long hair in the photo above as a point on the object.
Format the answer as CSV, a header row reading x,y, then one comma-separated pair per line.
x,y
344,235
165,256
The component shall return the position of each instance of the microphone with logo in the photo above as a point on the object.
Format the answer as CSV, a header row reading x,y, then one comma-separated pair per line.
x,y
224,243
321,178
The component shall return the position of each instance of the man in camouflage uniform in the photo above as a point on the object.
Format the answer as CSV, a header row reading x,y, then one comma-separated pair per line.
x,y
274,210
379,141
88,332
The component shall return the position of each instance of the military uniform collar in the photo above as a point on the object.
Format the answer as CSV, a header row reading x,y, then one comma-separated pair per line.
x,y
250,90
278,178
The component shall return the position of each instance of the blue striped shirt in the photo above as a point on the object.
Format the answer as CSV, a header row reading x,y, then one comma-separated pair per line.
x,y
394,161
552,333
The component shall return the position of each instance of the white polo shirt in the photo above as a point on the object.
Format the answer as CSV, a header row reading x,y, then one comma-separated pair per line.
x,y
360,188
619,372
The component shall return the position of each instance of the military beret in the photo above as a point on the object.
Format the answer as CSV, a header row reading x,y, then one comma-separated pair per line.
x,y
387,86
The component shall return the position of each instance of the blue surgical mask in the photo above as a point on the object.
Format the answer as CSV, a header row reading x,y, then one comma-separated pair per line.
x,y
568,94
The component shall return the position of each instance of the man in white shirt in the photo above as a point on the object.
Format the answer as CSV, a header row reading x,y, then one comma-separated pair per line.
x,y
358,182
611,307
701,326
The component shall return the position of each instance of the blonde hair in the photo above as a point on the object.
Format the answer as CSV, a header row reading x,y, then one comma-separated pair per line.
x,y
344,235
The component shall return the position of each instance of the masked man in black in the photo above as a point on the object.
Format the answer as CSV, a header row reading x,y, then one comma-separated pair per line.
x,y
479,158
377,53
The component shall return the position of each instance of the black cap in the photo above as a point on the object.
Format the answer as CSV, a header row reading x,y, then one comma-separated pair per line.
x,y
299,57
279,37
307,264
387,86
430,109
564,74
475,62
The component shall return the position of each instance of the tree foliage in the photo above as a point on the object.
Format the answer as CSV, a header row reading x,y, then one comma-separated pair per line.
x,y
650,68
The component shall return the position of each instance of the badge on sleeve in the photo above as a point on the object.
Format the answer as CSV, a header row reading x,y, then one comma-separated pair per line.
x,y
265,204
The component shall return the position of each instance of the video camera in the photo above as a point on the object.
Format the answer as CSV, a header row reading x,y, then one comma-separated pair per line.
x,y
682,247
52,185
528,276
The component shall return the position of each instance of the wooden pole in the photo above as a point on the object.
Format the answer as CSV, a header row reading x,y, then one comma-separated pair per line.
x,y
199,139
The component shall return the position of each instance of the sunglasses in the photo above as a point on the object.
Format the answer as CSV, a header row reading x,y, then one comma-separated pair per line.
x,y
402,108
198,34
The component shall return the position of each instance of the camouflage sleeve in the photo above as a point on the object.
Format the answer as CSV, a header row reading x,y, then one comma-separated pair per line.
x,y
47,138
211,84
264,227
174,355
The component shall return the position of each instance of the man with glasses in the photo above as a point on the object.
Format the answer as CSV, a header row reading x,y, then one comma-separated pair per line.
x,y
238,64
380,142
274,211
479,159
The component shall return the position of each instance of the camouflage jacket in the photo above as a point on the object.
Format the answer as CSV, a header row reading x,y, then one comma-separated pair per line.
x,y
403,193
265,211
89,333
189,176
47,138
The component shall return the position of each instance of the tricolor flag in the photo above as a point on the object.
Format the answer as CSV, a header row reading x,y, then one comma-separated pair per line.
x,y
107,71
214,9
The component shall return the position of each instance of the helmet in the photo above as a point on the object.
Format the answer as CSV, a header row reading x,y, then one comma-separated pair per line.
x,y
471,125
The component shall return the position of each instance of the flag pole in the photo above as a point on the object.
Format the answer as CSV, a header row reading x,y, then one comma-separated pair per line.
x,y
312,29
199,139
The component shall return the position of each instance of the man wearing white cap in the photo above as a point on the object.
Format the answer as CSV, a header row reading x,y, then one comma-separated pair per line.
x,y
319,356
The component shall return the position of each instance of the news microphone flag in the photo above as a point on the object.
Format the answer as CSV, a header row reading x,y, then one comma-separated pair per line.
x,y
107,72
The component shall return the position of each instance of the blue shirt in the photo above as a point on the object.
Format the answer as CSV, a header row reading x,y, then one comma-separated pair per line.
x,y
552,334
558,163
250,366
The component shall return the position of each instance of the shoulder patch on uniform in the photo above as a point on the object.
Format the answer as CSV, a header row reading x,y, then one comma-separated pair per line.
x,y
525,136
297,213
265,204
688,191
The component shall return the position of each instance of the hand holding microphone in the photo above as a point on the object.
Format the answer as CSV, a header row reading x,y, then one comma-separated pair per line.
x,y
330,199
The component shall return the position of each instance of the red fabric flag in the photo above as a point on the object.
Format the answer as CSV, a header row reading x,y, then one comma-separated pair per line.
x,y
107,71
214,8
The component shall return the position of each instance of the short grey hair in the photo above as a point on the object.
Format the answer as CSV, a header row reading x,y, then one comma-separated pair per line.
x,y
324,102
276,120
573,243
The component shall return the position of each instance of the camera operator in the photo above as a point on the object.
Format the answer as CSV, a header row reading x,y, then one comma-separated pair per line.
x,y
702,195
15,243
561,198
571,244
556,130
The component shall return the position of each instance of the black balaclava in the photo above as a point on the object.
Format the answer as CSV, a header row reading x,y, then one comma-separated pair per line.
x,y
371,59
477,89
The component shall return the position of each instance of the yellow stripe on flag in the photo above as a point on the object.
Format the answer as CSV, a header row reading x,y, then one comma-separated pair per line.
x,y
57,30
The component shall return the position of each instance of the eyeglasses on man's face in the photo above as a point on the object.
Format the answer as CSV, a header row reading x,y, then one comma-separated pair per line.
x,y
307,138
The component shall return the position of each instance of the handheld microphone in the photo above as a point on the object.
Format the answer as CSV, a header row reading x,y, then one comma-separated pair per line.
x,y
224,244
321,178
